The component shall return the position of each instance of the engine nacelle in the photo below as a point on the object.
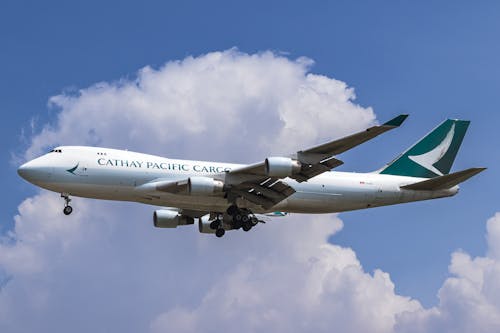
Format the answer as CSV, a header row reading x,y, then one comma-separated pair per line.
x,y
281,167
204,186
164,218
204,225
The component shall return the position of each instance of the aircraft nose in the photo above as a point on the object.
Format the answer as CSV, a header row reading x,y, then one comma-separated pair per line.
x,y
35,171
25,171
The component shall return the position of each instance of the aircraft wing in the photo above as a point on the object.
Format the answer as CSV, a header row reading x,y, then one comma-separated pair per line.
x,y
262,184
316,160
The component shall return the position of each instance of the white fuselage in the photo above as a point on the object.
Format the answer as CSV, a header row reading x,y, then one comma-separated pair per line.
x,y
111,174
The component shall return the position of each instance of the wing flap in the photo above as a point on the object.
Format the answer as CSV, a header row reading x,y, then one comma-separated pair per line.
x,y
266,193
444,182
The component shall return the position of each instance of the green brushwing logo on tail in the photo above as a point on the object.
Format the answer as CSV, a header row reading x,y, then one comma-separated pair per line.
x,y
427,160
433,155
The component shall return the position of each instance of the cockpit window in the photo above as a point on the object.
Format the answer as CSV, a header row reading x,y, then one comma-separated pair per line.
x,y
56,151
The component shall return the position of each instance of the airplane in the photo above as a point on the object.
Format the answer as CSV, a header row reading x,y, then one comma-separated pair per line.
x,y
223,196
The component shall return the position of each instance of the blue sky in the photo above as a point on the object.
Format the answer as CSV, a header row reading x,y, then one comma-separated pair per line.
x,y
430,59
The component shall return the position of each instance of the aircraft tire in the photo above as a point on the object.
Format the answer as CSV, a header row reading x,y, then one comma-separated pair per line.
x,y
214,225
247,226
67,210
220,232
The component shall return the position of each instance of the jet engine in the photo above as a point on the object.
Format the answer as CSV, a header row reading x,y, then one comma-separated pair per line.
x,y
164,218
204,225
204,186
281,166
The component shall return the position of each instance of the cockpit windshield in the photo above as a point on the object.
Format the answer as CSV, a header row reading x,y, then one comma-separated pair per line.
x,y
56,151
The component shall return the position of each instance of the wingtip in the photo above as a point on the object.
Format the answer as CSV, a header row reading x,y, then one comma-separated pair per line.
x,y
478,169
474,171
397,121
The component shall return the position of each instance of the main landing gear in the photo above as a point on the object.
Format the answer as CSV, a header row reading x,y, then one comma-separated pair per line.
x,y
67,208
242,218
217,226
239,219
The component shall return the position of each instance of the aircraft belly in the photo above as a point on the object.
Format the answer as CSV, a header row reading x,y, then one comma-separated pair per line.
x,y
94,191
312,202
203,203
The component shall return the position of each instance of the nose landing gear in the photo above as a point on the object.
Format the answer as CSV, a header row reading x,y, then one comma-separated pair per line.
x,y
67,208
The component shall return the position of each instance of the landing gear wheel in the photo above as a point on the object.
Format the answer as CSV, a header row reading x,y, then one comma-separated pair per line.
x,y
214,225
254,221
247,226
220,232
67,210
237,221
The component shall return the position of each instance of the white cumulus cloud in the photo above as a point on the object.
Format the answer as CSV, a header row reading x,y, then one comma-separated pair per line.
x,y
469,301
105,268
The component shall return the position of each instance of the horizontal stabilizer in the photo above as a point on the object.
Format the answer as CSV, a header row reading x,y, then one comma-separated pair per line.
x,y
444,182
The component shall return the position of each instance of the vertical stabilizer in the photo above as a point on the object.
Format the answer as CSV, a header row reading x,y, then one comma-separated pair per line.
x,y
433,155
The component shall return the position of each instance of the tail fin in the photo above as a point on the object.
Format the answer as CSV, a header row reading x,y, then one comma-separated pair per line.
x,y
433,155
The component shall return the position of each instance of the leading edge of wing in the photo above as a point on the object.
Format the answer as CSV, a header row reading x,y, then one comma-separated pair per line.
x,y
339,146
